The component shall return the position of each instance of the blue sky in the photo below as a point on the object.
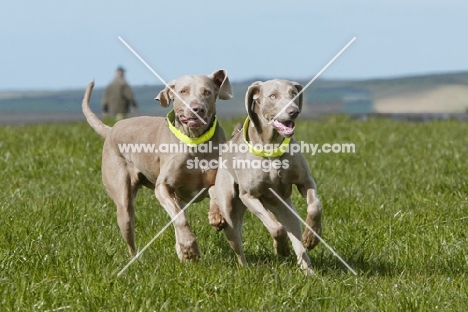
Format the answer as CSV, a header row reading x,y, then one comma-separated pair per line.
x,y
65,44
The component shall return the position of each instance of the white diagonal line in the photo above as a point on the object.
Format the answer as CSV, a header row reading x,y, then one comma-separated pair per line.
x,y
160,78
160,232
315,233
313,79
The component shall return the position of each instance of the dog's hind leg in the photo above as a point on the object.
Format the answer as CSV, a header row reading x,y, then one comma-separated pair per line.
x,y
234,210
122,190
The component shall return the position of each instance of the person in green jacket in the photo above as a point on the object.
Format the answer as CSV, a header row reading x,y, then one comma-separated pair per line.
x,y
118,97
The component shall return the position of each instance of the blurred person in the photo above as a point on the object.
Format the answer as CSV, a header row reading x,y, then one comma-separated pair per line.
x,y
118,98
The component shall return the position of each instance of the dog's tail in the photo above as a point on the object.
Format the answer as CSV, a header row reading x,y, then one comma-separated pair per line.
x,y
93,120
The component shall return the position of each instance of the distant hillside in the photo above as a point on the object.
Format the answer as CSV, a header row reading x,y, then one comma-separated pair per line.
x,y
386,88
425,93
413,94
439,99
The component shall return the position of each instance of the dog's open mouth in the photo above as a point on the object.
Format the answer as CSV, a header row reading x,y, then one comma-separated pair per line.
x,y
192,121
285,128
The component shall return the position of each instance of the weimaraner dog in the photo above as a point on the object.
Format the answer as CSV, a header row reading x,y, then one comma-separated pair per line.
x,y
238,188
174,182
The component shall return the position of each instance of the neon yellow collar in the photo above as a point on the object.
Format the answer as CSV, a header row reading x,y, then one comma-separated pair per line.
x,y
188,140
276,152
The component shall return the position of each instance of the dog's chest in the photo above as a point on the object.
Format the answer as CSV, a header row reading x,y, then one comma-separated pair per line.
x,y
196,173
273,175
266,178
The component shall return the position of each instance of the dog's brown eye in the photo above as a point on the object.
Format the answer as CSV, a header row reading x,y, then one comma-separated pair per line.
x,y
206,93
183,91
273,96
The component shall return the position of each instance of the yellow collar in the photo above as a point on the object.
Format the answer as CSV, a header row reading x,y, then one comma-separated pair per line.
x,y
277,152
188,140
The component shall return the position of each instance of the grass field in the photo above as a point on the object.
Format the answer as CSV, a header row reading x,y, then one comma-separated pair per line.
x,y
396,211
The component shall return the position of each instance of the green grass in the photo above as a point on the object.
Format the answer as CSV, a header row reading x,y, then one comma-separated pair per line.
x,y
396,211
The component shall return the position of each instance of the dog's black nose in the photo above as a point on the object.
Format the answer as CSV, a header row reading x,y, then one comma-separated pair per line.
x,y
293,112
199,109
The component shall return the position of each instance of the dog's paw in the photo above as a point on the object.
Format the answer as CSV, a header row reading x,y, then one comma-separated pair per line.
x,y
188,251
309,239
216,220
309,272
281,242
281,246
132,250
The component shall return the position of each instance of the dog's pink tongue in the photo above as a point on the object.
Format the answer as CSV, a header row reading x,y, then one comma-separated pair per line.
x,y
194,122
284,128
191,122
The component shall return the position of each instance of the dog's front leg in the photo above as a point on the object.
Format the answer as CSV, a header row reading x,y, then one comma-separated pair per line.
x,y
186,243
215,217
276,229
314,214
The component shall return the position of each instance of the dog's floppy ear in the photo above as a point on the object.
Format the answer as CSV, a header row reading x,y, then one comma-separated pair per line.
x,y
253,92
165,96
301,96
221,80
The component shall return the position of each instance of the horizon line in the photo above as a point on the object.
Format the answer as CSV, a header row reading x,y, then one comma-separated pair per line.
x,y
247,80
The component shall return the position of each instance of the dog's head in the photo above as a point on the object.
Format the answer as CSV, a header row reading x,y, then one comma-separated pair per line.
x,y
196,95
270,103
